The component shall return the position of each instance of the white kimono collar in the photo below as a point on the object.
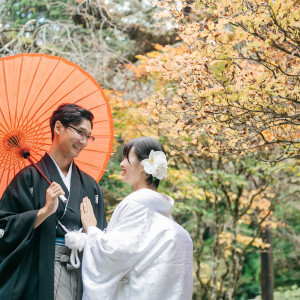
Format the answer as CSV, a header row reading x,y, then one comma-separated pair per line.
x,y
160,203
65,179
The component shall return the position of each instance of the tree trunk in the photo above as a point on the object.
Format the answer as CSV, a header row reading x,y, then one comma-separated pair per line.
x,y
267,275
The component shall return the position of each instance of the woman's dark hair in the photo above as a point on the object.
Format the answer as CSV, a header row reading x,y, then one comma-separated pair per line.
x,y
68,113
142,148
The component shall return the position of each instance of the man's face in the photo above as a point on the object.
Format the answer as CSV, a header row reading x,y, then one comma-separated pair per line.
x,y
71,140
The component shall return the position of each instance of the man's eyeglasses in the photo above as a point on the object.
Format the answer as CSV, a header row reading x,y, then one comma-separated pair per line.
x,y
82,134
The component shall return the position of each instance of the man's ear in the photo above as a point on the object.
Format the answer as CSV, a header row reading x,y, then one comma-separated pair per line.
x,y
58,127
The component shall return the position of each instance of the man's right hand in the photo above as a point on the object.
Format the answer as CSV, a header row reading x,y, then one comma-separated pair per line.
x,y
52,193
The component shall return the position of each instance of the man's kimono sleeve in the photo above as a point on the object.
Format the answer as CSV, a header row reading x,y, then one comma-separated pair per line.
x,y
17,219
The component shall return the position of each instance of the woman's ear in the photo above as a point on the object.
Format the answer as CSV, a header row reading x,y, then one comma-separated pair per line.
x,y
141,168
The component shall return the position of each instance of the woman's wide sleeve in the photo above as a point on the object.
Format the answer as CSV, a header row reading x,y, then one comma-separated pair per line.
x,y
109,255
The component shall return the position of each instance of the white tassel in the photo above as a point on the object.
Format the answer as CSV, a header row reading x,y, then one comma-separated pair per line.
x,y
74,259
75,241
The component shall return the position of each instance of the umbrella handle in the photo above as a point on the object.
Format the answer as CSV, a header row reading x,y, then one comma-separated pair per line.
x,y
26,155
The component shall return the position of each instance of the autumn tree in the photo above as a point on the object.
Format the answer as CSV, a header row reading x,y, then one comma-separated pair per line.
x,y
232,83
224,203
232,207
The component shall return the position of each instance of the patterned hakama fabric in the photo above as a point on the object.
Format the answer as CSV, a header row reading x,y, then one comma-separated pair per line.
x,y
67,280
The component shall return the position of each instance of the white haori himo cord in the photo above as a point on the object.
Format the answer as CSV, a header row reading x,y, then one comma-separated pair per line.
x,y
75,241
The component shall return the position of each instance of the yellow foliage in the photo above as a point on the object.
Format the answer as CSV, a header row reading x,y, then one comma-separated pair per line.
x,y
115,176
236,76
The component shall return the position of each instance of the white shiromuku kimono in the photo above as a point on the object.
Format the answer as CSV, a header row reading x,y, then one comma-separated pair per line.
x,y
142,255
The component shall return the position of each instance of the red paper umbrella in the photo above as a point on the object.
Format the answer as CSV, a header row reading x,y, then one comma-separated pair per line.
x,y
32,86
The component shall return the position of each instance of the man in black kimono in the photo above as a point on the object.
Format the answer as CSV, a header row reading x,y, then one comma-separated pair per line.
x,y
30,211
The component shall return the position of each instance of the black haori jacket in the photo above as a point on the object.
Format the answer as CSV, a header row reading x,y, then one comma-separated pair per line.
x,y
27,254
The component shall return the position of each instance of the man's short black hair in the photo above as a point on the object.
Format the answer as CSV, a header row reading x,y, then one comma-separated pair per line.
x,y
69,113
142,148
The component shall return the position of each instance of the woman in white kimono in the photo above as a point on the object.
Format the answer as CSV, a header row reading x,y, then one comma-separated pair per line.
x,y
143,254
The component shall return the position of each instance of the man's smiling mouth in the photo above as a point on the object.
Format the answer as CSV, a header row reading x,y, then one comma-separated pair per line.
x,y
78,148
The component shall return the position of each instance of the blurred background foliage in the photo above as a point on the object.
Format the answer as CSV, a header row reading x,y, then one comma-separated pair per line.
x,y
201,187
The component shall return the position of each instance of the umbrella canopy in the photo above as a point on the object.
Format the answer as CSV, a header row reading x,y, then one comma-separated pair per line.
x,y
32,86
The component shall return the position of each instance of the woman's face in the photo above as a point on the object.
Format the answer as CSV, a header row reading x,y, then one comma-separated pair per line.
x,y
132,170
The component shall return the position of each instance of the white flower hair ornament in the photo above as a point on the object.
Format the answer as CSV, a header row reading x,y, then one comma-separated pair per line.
x,y
156,165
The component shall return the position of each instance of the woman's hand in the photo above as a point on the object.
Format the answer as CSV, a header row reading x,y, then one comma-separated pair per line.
x,y
87,214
